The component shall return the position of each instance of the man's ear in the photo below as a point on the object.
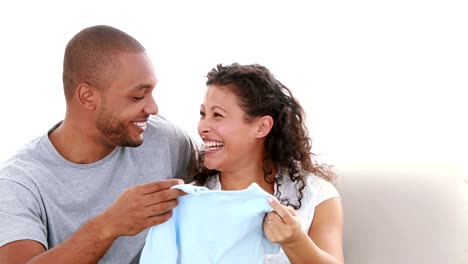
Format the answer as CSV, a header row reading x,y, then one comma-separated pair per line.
x,y
265,123
87,96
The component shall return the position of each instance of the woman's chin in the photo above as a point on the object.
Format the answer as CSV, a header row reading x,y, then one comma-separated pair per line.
x,y
211,166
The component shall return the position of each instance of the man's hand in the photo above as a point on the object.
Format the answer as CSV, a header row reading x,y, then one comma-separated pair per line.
x,y
140,207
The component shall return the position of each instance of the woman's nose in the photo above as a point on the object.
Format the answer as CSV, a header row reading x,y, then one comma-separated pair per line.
x,y
203,127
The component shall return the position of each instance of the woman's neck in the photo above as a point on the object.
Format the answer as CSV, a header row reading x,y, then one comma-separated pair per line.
x,y
241,179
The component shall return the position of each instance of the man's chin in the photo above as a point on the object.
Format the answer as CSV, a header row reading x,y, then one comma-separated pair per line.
x,y
133,144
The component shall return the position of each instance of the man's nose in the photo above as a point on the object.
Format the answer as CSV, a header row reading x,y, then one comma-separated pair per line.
x,y
151,107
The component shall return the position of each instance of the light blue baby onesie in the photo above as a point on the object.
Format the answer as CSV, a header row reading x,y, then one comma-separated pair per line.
x,y
212,227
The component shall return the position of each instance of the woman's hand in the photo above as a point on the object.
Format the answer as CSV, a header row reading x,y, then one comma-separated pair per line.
x,y
282,225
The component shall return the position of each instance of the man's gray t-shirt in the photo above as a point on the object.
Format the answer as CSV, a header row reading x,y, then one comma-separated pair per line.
x,y
45,198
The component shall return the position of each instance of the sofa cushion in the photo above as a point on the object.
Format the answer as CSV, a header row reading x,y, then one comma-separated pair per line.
x,y
404,215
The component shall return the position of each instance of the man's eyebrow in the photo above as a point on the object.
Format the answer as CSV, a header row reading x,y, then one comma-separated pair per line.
x,y
142,86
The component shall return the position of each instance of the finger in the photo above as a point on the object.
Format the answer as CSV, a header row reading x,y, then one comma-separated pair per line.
x,y
161,196
290,210
271,228
281,210
273,217
160,208
158,219
268,218
158,186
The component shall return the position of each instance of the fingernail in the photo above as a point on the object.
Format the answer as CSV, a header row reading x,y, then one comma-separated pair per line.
x,y
270,199
180,181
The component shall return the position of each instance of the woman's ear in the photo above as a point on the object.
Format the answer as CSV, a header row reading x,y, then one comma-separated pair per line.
x,y
86,95
265,123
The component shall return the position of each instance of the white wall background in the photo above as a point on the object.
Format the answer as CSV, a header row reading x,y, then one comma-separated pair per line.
x,y
382,82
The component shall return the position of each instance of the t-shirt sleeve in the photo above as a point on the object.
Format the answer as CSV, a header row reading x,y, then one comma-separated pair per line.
x,y
20,214
326,191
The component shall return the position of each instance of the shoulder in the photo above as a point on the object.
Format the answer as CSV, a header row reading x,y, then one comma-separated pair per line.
x,y
160,123
316,189
25,161
158,120
158,126
23,170
319,188
163,137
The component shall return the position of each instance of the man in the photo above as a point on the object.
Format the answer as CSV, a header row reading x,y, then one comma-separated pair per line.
x,y
85,192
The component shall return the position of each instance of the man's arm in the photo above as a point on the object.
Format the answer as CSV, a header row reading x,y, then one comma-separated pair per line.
x,y
133,211
20,251
87,245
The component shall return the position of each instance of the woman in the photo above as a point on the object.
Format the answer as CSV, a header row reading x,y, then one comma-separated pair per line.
x,y
253,131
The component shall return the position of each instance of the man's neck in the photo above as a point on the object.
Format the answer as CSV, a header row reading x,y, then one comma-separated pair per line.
x,y
76,143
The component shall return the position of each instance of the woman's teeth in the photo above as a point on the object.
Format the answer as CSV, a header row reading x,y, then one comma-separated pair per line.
x,y
213,145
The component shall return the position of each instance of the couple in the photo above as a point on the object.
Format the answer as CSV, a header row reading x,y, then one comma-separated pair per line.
x,y
88,190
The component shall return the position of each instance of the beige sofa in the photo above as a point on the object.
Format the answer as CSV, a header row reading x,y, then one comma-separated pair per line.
x,y
398,215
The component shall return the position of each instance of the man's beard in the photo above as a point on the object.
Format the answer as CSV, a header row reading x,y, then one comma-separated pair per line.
x,y
115,131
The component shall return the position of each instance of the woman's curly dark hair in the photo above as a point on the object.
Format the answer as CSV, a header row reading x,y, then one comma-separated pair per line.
x,y
288,145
